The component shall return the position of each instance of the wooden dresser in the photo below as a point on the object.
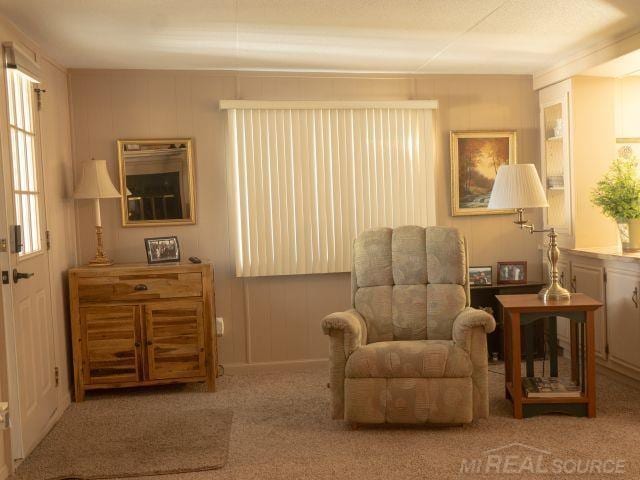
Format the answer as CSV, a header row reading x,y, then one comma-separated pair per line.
x,y
138,324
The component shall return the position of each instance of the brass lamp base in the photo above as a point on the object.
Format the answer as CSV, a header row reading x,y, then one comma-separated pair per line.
x,y
554,292
100,260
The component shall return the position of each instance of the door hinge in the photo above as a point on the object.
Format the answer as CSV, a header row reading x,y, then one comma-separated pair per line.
x,y
47,239
604,276
39,92
3,244
56,371
5,422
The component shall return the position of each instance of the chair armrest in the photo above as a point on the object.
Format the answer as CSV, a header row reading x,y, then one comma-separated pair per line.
x,y
466,321
351,325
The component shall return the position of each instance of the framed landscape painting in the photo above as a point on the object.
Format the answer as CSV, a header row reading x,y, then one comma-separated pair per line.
x,y
475,159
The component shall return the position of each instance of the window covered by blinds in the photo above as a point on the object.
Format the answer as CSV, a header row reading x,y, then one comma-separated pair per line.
x,y
307,178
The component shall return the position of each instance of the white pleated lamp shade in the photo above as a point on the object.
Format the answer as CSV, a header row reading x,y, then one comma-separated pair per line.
x,y
96,182
517,186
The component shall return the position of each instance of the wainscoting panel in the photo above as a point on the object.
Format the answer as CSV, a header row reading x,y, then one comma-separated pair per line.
x,y
277,319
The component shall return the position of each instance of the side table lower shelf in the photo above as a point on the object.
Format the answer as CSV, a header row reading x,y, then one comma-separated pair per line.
x,y
577,406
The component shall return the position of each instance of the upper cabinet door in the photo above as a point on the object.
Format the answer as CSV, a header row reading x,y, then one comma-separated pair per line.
x,y
111,344
175,339
556,159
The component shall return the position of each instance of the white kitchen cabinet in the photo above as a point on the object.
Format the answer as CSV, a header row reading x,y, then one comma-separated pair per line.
x,y
588,276
556,158
623,316
564,270
577,127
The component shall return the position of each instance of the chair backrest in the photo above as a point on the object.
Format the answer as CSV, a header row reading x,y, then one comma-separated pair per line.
x,y
409,283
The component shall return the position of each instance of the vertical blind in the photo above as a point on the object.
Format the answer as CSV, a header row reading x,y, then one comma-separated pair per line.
x,y
306,178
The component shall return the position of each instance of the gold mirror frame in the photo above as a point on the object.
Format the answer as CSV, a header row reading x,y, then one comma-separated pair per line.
x,y
191,219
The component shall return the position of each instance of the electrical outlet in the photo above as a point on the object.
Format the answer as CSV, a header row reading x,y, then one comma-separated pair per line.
x,y
219,326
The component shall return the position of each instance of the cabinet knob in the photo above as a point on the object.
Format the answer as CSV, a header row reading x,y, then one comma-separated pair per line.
x,y
141,287
137,344
149,343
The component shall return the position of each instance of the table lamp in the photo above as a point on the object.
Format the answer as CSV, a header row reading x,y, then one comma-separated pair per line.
x,y
518,187
96,184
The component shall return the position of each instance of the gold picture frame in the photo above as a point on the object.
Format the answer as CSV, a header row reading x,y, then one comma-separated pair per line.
x,y
472,176
186,180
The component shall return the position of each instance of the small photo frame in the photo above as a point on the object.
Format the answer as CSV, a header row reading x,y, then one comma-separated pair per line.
x,y
512,272
481,276
162,249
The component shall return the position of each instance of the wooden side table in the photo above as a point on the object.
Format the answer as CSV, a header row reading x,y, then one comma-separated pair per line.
x,y
522,311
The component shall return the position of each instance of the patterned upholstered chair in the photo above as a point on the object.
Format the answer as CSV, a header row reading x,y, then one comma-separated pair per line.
x,y
411,350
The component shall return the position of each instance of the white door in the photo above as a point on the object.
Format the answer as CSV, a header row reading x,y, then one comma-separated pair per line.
x,y
623,317
5,461
589,279
33,349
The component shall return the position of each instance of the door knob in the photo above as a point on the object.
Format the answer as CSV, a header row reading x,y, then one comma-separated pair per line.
x,y
17,276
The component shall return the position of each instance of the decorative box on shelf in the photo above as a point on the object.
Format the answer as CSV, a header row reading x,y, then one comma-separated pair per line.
x,y
138,325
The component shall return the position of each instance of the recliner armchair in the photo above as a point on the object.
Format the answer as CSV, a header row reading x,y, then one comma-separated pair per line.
x,y
411,350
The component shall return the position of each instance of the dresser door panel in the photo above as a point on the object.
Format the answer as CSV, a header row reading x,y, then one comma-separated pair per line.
x,y
111,339
175,339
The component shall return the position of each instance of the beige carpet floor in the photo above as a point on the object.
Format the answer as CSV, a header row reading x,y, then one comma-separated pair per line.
x,y
281,430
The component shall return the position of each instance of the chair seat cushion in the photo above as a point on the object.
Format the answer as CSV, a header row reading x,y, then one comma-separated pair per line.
x,y
409,359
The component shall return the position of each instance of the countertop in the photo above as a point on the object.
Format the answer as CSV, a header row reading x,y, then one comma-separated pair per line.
x,y
604,253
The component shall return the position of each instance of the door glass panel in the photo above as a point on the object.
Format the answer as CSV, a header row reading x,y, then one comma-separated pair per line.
x,y
23,160
554,164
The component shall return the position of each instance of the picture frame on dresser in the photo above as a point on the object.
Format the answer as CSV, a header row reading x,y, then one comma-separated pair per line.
x,y
514,272
481,275
162,249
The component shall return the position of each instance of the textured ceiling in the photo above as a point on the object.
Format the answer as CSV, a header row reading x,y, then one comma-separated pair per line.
x,y
426,36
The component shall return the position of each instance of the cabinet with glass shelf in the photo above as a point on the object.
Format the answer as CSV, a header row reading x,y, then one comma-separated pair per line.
x,y
556,160
577,139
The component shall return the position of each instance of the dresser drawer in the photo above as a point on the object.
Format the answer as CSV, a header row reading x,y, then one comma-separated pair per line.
x,y
139,287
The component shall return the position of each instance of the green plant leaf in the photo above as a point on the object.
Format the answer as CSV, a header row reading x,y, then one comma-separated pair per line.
x,y
618,192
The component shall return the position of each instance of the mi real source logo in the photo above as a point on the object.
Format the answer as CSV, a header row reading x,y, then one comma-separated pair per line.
x,y
521,459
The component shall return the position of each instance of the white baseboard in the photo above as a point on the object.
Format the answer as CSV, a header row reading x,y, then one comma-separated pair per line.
x,y
268,367
616,375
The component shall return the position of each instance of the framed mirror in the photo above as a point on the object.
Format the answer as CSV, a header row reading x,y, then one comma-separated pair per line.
x,y
158,178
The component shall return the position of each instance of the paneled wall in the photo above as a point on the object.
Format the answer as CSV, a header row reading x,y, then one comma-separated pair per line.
x,y
277,319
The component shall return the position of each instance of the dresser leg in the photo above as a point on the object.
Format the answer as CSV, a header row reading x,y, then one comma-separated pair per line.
x,y
79,394
211,383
